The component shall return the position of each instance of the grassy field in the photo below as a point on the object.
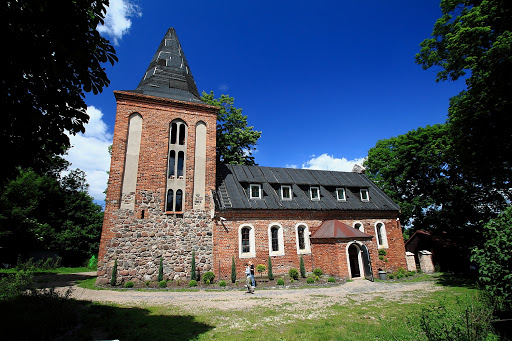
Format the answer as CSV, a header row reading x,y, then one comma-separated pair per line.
x,y
46,316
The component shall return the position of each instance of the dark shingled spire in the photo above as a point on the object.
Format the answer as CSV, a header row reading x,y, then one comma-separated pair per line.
x,y
168,74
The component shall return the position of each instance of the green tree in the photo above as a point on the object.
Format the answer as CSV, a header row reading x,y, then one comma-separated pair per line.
x,y
161,270
236,140
494,259
193,273
302,267
270,273
44,78
420,174
233,270
473,40
45,212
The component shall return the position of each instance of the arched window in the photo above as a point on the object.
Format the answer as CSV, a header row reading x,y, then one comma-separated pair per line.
x,y
246,247
380,233
274,232
359,226
300,233
174,132
170,200
275,240
246,241
302,239
179,200
172,160
181,158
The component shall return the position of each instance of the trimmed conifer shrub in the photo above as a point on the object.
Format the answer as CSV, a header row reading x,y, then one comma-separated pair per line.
x,y
233,270
302,268
161,270
293,273
193,275
113,279
270,274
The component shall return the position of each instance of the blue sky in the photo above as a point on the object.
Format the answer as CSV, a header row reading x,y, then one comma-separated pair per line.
x,y
323,80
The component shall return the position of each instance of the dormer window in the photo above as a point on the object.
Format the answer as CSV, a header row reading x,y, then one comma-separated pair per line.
x,y
340,194
314,193
255,191
286,192
364,195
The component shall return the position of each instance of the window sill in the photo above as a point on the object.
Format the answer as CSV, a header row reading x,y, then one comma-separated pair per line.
x,y
303,252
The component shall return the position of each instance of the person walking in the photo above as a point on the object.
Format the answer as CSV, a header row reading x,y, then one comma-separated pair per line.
x,y
250,287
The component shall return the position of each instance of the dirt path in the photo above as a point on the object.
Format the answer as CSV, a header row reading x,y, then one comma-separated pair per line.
x,y
356,291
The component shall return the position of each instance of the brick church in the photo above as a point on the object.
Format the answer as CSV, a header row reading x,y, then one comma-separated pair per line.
x,y
167,196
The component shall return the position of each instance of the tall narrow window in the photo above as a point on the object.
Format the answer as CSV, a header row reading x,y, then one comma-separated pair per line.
x,y
380,232
274,231
246,247
300,232
182,135
179,200
181,157
174,132
172,160
170,199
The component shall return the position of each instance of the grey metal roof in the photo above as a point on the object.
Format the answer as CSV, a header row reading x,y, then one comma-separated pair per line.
x,y
168,74
233,189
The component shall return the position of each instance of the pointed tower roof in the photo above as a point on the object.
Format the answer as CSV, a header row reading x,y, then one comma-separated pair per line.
x,y
168,74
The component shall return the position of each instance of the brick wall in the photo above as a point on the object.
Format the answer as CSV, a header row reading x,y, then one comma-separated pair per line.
x,y
329,256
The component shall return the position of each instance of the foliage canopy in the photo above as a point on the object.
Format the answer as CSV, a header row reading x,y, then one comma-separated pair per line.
x,y
55,55
236,140
473,40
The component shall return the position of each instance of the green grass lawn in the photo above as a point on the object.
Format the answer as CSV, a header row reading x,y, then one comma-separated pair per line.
x,y
49,316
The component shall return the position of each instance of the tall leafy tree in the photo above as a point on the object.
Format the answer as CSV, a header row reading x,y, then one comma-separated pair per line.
x,y
44,212
418,172
473,40
236,140
55,55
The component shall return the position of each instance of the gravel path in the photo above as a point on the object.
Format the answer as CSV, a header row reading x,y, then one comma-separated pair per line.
x,y
357,291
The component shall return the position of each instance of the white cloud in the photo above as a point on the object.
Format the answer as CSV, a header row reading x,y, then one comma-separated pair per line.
x,y
328,162
89,152
117,20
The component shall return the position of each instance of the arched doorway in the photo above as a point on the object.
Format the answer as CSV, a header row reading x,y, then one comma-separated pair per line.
x,y
359,261
354,258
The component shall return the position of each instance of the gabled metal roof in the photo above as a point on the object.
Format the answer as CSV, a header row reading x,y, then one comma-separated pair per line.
x,y
337,229
233,189
168,74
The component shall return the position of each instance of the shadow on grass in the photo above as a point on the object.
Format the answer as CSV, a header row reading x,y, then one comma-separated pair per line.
x,y
53,317
49,280
456,280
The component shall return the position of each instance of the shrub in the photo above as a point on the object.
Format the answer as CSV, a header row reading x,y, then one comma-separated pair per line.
x,y
280,281
13,285
162,284
261,268
293,273
493,259
93,263
468,319
208,277
292,280
147,283
310,280
401,271
233,270
161,270
399,275
270,274
222,283
331,280
302,267
318,272
317,278
192,283
193,275
128,284
381,257
113,278
391,276
410,273
382,252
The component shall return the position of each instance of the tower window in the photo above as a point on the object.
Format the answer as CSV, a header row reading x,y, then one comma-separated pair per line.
x,y
181,157
179,200
170,200
172,160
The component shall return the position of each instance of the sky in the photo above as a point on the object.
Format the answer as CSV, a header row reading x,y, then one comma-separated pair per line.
x,y
322,80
